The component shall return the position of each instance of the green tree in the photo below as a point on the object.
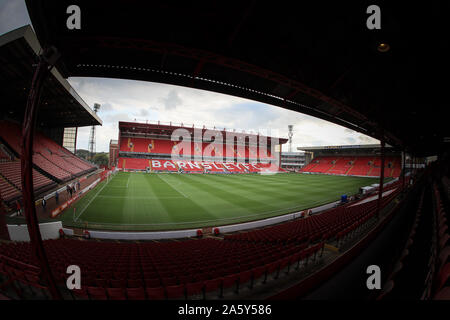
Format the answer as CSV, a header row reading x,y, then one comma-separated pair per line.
x,y
82,153
101,159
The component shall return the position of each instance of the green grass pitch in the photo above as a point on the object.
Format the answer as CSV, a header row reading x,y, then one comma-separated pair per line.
x,y
149,201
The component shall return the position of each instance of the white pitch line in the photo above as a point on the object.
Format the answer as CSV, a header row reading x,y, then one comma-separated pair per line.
x,y
180,192
128,181
142,198
92,199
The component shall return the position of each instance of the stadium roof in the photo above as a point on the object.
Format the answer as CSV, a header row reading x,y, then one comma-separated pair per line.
x,y
61,106
137,128
367,149
356,146
316,58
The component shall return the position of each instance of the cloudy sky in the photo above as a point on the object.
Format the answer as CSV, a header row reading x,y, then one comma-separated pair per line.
x,y
126,100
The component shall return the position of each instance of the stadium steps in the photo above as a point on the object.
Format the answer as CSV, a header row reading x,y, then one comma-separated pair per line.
x,y
58,164
5,153
46,174
330,168
51,170
8,189
313,166
349,169
10,182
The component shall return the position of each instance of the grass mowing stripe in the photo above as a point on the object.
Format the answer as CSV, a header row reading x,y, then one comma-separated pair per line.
x,y
176,189
92,199
160,202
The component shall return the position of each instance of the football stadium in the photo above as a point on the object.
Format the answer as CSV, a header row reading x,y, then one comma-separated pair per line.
x,y
193,212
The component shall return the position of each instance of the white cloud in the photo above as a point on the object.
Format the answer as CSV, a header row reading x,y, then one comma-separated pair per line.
x,y
172,100
127,100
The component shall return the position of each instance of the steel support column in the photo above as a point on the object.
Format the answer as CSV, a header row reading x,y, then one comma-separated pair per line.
x,y
29,123
75,145
403,169
380,187
410,168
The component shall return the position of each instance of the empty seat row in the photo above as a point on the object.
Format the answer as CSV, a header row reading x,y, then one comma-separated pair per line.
x,y
57,161
169,147
156,165
10,179
356,166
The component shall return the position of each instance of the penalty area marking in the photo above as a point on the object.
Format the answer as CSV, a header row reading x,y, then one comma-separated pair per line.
x,y
173,187
128,181
139,198
226,220
92,199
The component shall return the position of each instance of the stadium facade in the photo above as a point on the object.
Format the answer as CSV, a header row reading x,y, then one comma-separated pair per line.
x,y
292,161
169,147
354,160
402,226
61,112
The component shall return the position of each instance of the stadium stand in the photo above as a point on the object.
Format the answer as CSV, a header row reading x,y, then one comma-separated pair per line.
x,y
165,270
341,165
213,167
135,164
11,171
10,177
8,190
335,223
360,167
323,164
183,268
209,268
167,147
157,165
57,162
354,166
52,169
422,269
4,155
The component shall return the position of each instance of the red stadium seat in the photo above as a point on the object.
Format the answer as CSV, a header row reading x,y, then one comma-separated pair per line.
x,y
97,293
169,281
443,277
116,293
136,293
81,294
157,293
152,283
271,268
101,283
230,280
356,165
134,283
443,294
175,292
213,284
115,283
257,273
244,277
194,288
